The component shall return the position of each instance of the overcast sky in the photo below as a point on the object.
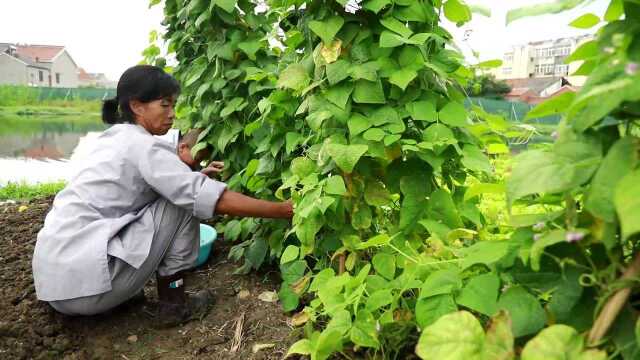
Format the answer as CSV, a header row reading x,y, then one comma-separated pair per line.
x,y
109,35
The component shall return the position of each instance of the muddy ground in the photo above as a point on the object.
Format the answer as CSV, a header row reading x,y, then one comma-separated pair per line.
x,y
31,329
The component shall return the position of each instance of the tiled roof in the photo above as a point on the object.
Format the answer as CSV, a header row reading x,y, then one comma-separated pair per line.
x,y
535,84
38,53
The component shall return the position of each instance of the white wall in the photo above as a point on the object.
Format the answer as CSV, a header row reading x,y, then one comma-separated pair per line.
x,y
67,69
12,70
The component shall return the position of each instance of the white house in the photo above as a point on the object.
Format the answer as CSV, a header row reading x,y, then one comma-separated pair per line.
x,y
37,65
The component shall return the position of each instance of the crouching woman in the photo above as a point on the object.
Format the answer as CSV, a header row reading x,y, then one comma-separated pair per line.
x,y
132,211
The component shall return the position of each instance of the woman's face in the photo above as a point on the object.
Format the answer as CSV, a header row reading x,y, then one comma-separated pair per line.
x,y
156,116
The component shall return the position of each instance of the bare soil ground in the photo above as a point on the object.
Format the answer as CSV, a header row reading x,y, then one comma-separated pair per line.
x,y
32,329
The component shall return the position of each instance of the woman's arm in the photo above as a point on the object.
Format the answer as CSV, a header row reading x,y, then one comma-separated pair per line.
x,y
237,204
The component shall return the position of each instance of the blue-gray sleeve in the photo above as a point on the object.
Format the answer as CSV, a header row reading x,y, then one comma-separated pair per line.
x,y
162,169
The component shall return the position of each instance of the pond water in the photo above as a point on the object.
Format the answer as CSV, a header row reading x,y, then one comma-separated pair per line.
x,y
42,148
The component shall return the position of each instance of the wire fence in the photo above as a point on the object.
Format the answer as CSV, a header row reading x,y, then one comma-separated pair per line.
x,y
75,94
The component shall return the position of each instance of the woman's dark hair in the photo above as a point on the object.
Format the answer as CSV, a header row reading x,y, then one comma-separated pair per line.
x,y
144,83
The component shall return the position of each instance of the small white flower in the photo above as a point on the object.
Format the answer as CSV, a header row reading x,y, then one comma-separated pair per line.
x,y
574,236
631,68
537,237
539,226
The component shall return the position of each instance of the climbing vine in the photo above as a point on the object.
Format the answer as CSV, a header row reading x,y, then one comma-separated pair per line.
x,y
355,111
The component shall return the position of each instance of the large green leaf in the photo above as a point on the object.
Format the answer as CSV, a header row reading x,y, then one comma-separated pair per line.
x,y
376,5
226,5
358,124
585,21
457,11
422,111
484,252
346,156
441,282
339,94
481,294
559,342
363,332
396,26
376,194
385,265
437,341
335,185
329,342
429,310
403,77
294,77
498,344
442,208
555,105
327,29
627,201
474,159
539,171
369,92
453,114
621,159
337,71
525,311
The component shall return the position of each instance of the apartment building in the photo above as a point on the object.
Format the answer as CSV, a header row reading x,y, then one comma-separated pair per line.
x,y
542,59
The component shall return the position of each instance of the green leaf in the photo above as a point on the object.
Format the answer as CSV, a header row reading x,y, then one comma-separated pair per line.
x,y
442,208
498,342
226,5
302,347
415,11
250,48
361,217
555,105
346,156
553,7
378,240
525,310
289,254
375,194
559,342
481,294
585,51
337,71
548,239
289,299
294,77
402,78
233,106
292,139
396,26
339,94
614,11
429,310
441,282
484,252
335,185
369,92
327,29
474,159
585,21
363,332
340,321
329,342
357,124
479,9
489,64
385,265
483,188
376,5
389,39
453,114
627,201
302,167
457,11
379,299
374,134
621,159
554,173
437,342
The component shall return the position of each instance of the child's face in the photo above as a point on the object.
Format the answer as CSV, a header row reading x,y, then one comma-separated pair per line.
x,y
184,153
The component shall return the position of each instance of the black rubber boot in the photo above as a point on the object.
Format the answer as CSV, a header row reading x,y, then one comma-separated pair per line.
x,y
175,306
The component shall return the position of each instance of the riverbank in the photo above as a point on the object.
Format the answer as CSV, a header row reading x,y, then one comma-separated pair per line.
x,y
25,192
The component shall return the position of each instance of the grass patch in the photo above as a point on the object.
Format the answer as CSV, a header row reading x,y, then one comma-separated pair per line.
x,y
92,108
23,192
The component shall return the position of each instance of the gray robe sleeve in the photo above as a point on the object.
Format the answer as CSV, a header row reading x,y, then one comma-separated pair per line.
x,y
162,169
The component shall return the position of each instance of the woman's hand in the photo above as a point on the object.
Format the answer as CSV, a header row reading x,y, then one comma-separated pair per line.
x,y
214,168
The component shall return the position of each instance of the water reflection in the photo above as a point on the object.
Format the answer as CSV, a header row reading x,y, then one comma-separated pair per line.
x,y
38,148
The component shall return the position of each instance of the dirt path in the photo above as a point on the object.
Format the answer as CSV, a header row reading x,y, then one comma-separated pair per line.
x,y
31,329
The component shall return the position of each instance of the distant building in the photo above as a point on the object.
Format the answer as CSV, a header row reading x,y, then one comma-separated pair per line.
x,y
98,80
536,90
542,59
37,65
